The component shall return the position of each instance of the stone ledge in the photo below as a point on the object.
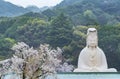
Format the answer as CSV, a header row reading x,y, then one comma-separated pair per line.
x,y
89,75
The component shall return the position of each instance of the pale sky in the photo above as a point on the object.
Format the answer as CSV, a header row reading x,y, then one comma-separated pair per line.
x,y
38,3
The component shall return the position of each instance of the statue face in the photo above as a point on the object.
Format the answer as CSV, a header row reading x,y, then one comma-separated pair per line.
x,y
92,40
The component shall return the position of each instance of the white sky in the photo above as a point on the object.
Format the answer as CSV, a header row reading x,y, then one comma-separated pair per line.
x,y
38,3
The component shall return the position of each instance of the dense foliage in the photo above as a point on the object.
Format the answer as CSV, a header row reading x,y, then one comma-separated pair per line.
x,y
103,11
60,31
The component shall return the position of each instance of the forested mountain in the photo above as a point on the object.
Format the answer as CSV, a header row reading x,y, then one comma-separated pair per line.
x,y
9,9
36,9
90,12
65,26
33,9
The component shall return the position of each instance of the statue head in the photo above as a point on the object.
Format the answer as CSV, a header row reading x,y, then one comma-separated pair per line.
x,y
92,39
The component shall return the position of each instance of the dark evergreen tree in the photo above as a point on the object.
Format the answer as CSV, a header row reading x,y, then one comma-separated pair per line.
x,y
60,32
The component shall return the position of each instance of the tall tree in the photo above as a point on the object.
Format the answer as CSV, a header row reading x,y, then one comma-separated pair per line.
x,y
60,32
90,17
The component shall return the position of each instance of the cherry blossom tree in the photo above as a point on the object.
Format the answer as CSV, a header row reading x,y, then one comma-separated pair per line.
x,y
30,63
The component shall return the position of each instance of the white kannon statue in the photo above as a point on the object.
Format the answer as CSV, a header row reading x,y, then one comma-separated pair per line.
x,y
92,58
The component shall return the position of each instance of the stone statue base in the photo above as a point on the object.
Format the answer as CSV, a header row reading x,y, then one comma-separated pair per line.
x,y
99,70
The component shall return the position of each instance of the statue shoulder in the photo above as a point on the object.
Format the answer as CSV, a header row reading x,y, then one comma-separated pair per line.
x,y
84,50
100,50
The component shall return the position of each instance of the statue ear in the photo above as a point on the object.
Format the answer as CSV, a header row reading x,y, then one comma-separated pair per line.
x,y
95,46
88,46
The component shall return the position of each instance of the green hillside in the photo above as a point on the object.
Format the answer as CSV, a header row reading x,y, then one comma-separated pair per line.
x,y
90,12
9,9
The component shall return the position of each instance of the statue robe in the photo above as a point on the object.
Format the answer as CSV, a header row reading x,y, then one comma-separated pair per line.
x,y
93,60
